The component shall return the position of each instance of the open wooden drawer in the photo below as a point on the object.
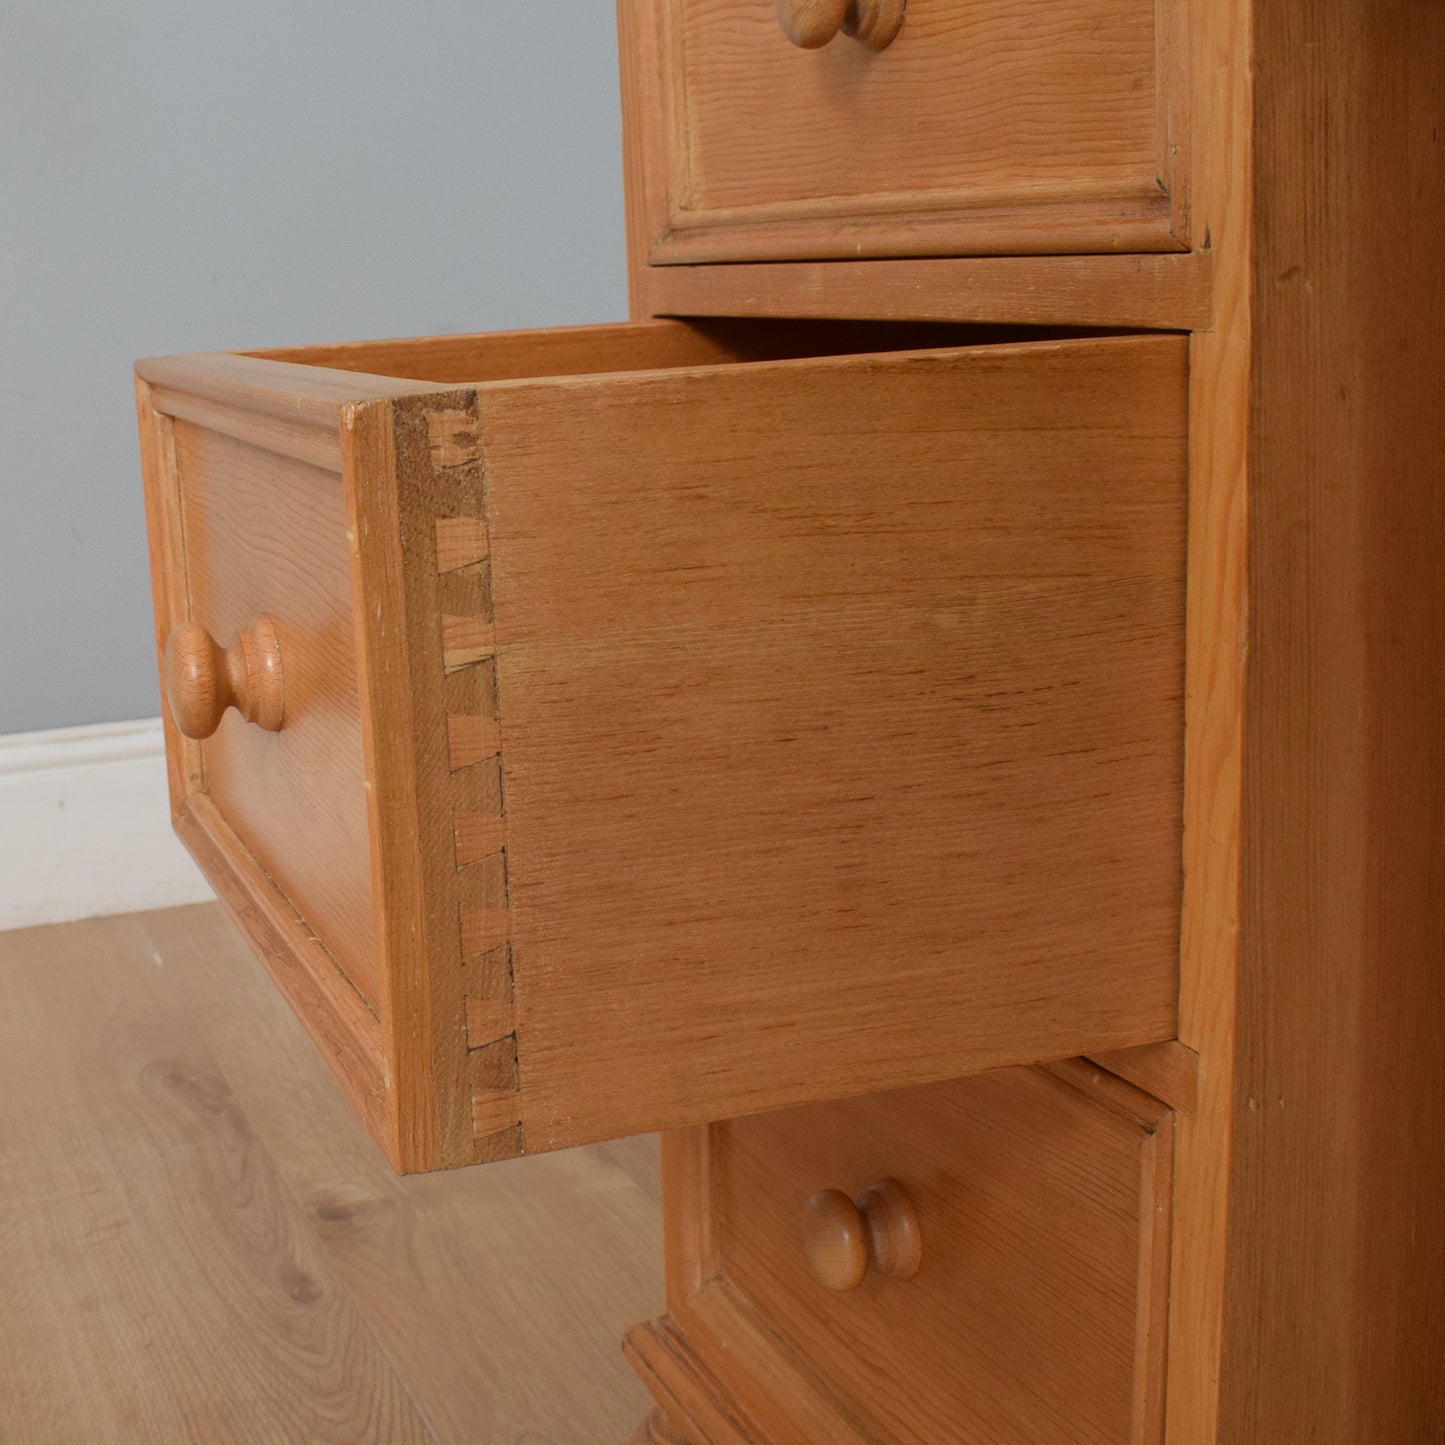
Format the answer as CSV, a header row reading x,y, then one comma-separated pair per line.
x,y
649,730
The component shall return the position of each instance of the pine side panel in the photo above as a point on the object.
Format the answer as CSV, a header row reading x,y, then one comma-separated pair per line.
x,y
1335,1286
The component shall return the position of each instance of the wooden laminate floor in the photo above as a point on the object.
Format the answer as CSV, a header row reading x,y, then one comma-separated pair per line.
x,y
199,1242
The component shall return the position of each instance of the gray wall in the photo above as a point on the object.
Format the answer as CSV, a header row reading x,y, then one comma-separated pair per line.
x,y
182,175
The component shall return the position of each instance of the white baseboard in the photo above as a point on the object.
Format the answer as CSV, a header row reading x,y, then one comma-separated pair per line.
x,y
85,826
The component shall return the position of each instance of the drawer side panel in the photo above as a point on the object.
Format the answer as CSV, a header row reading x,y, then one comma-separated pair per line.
x,y
841,707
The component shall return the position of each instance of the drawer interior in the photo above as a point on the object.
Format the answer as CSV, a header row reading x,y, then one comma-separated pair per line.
x,y
590,350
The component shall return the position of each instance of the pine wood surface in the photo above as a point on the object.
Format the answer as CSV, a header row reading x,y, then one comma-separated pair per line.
x,y
1011,126
1222,218
346,1031
198,1242
1169,1071
789,836
1335,1287
692,1405
764,1391
268,535
248,402
1312,799
508,355
1168,292
1042,1200
328,438
657,344
493,979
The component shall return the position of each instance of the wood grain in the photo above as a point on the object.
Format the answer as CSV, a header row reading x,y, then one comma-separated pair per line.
x,y
1040,1201
1004,1168
471,738
837,567
281,407
200,1242
273,447
1168,1070
466,1098
693,1406
1334,1290
1050,128
203,679
268,535
1159,292
170,1287
347,1032
815,736
510,355
657,344
165,542
461,542
1223,218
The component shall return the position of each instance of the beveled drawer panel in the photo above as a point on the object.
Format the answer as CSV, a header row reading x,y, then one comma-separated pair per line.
x,y
1037,1310
992,126
266,535
663,729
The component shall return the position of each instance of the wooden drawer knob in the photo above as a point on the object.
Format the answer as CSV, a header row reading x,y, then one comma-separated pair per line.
x,y
812,23
844,1240
203,679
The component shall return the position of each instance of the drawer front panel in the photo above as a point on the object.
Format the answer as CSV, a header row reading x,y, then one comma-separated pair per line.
x,y
1037,1312
994,126
266,535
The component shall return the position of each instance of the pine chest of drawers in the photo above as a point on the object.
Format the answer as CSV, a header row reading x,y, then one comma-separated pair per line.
x,y
810,733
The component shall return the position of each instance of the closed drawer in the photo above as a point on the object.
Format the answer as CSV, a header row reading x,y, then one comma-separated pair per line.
x,y
1037,1310
984,126
647,729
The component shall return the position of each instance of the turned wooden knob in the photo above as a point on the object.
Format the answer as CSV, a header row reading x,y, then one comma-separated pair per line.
x,y
812,23
203,679
844,1240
